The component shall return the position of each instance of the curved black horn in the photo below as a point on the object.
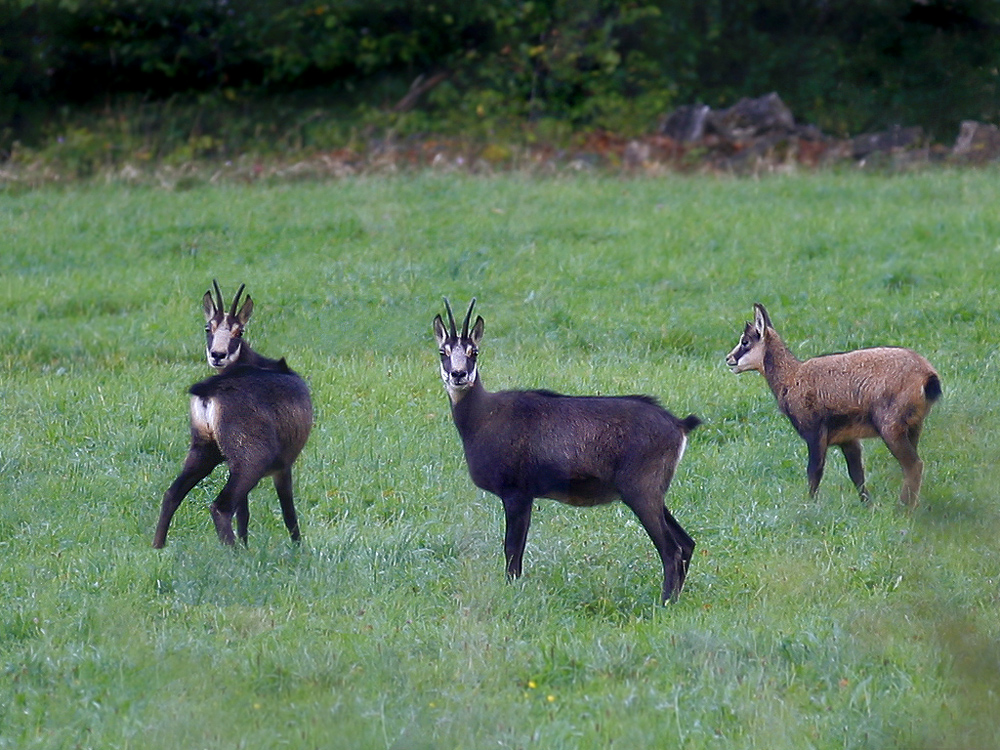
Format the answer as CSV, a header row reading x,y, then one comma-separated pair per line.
x,y
219,305
236,299
451,318
468,317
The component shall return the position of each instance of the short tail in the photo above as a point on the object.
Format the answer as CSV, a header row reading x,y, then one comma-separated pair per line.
x,y
932,388
689,423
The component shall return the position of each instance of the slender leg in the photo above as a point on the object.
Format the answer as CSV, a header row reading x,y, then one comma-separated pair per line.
x,y
243,518
910,494
517,510
283,486
685,542
222,514
916,472
817,460
233,498
902,439
855,468
652,514
913,469
201,460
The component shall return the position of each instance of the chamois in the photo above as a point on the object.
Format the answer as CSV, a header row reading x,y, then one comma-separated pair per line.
x,y
838,399
579,450
255,415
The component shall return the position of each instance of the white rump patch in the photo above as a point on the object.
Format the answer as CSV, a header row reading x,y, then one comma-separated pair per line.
x,y
205,416
680,453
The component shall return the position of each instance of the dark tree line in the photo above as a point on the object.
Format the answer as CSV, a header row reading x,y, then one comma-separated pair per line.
x,y
847,65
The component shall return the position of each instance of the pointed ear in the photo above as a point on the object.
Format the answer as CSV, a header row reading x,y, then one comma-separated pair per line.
x,y
440,332
477,331
208,304
761,320
246,310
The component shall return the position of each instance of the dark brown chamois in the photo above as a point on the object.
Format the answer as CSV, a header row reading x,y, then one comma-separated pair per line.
x,y
579,450
255,416
838,399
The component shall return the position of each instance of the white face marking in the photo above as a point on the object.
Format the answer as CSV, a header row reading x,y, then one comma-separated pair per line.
x,y
748,354
223,347
458,369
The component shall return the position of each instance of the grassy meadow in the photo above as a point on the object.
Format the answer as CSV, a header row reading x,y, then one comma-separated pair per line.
x,y
804,623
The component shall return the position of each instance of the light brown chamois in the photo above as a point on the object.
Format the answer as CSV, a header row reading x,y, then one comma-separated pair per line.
x,y
579,450
255,416
839,399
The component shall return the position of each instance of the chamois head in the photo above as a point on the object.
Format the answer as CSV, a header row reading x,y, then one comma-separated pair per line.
x,y
748,354
458,353
224,330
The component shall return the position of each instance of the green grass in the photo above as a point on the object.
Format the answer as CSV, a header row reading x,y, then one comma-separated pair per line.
x,y
804,624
